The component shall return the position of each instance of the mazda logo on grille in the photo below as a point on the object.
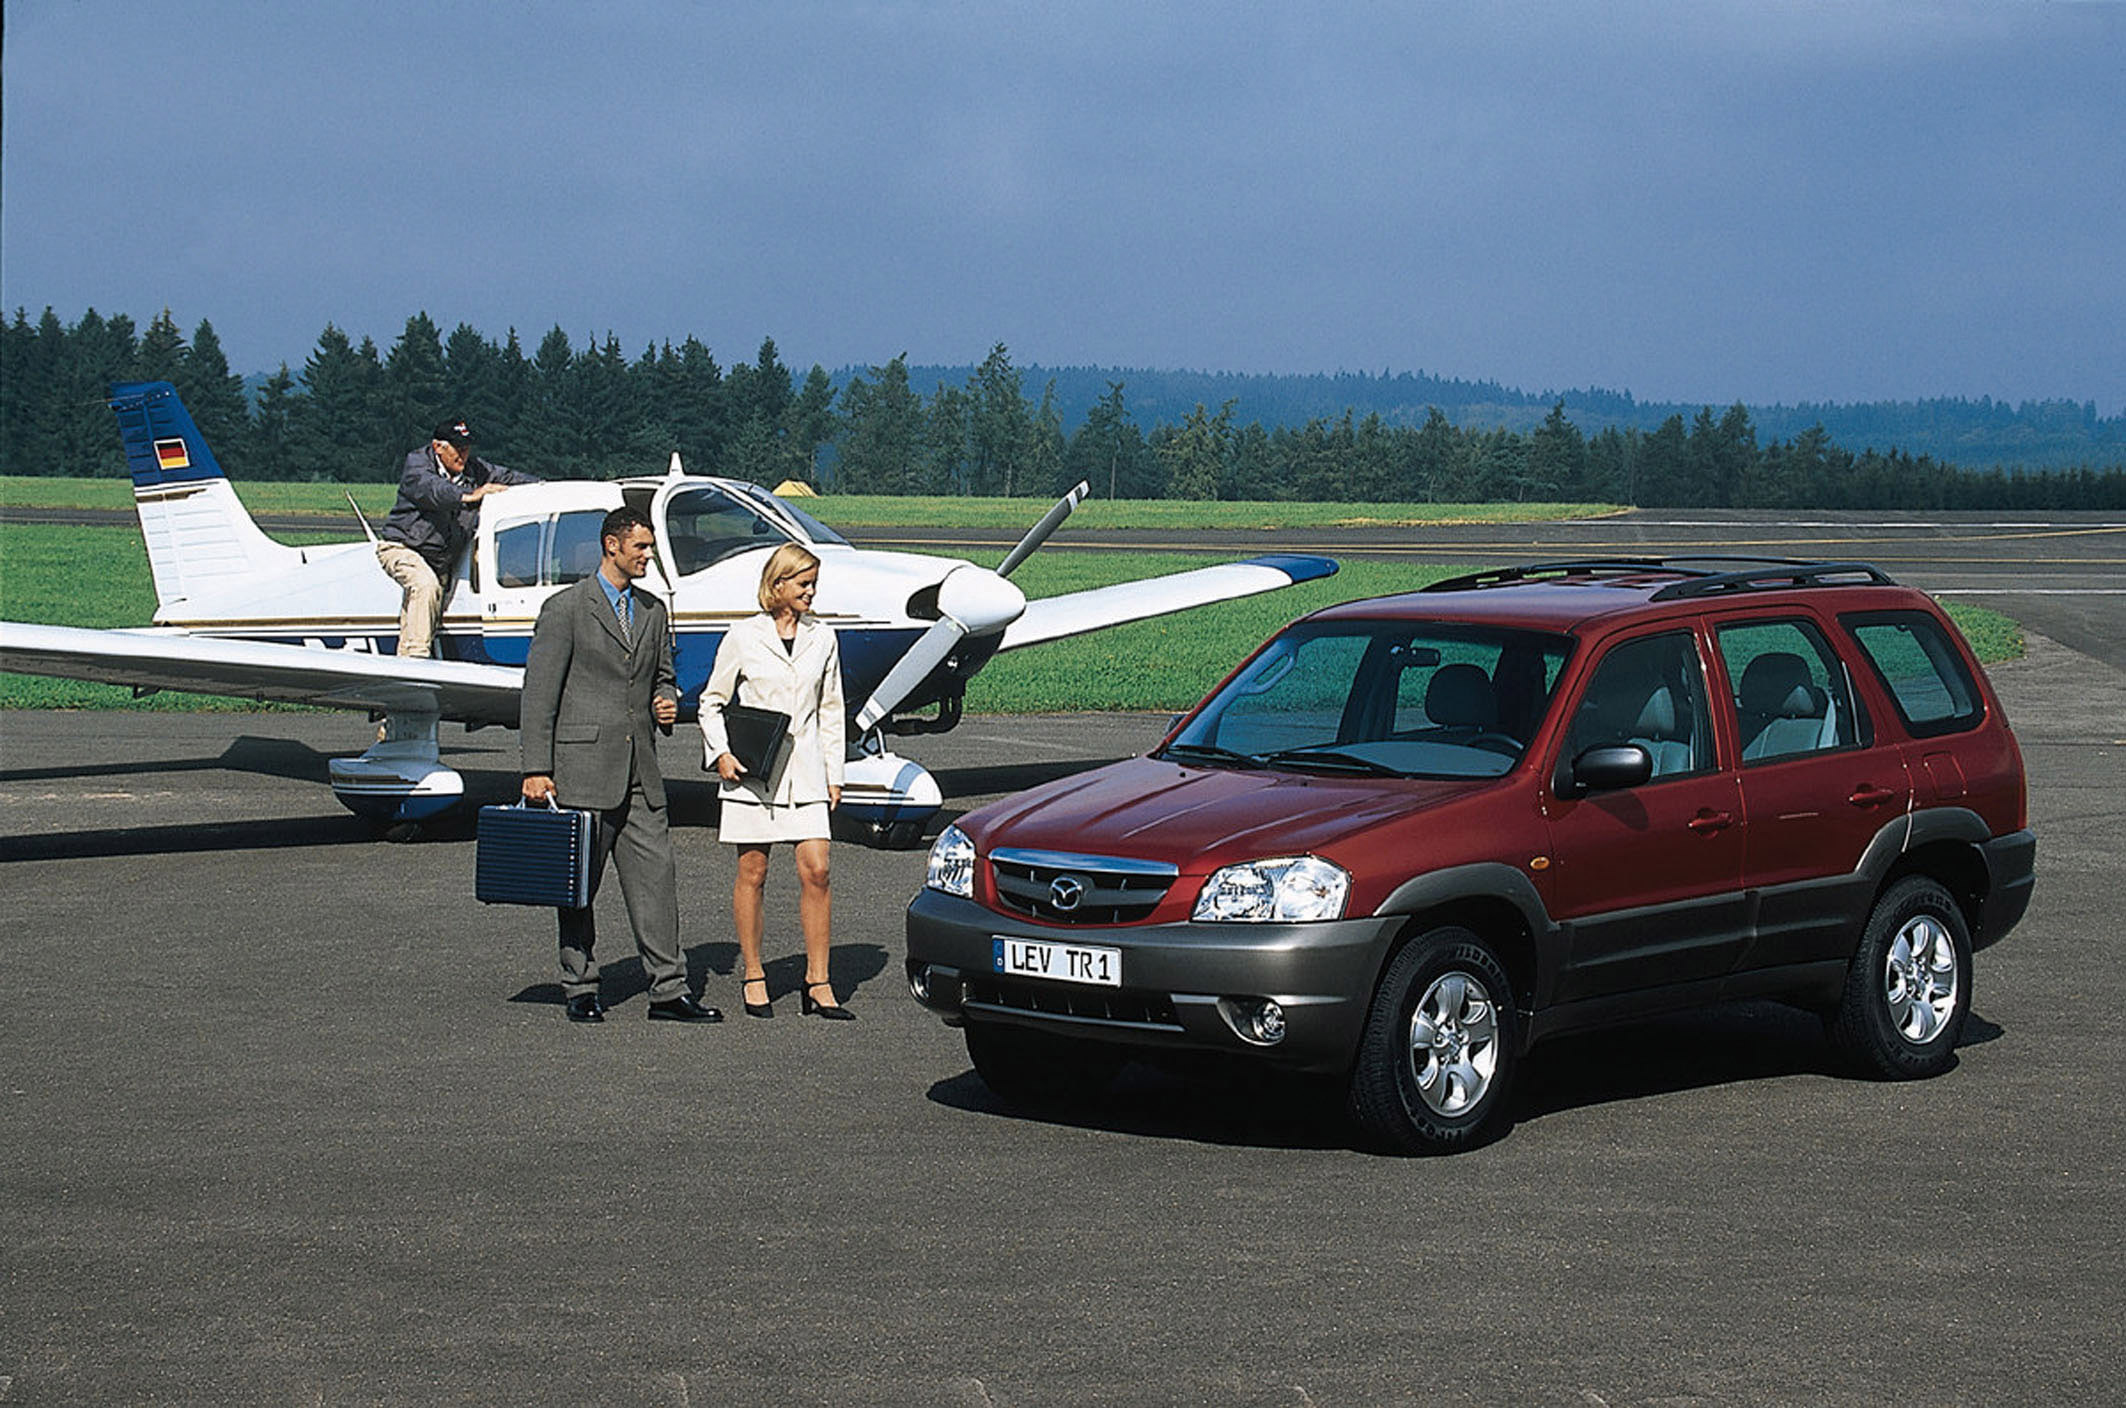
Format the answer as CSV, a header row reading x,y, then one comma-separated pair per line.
x,y
1066,893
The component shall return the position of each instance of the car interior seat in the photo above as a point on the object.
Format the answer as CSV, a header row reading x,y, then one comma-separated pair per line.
x,y
1655,729
1459,700
1781,711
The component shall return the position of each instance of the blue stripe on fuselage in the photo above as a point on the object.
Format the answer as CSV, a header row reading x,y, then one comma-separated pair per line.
x,y
867,653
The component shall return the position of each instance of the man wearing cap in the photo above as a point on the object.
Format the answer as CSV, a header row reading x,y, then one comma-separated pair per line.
x,y
439,496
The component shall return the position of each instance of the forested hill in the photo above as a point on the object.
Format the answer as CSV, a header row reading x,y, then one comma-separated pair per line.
x,y
1978,434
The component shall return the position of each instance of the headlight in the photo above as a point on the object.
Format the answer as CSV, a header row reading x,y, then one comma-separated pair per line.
x,y
952,864
1298,888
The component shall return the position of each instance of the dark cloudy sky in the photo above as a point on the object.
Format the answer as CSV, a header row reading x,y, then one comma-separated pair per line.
x,y
1705,202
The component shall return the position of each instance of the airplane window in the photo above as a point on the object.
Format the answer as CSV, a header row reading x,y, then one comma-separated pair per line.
x,y
705,526
517,555
575,550
816,530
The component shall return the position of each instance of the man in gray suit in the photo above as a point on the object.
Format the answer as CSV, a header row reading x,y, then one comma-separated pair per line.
x,y
598,679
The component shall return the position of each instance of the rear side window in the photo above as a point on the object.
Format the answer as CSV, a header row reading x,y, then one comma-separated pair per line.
x,y
1921,668
1791,692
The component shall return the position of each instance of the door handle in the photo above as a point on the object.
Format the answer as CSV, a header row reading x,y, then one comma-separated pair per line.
x,y
1706,823
1869,795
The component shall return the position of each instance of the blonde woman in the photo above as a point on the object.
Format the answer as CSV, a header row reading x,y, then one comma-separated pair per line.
x,y
787,660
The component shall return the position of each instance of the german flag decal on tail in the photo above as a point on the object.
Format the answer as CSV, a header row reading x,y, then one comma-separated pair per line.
x,y
170,454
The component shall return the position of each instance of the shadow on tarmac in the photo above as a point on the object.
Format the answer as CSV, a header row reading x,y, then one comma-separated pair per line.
x,y
267,757
852,966
1211,1099
277,833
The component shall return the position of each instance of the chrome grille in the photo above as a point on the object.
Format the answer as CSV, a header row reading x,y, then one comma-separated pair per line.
x,y
1062,888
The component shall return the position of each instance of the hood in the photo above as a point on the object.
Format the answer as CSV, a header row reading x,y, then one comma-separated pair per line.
x,y
1201,818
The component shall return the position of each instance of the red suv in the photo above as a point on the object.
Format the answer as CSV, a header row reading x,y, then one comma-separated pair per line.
x,y
1410,837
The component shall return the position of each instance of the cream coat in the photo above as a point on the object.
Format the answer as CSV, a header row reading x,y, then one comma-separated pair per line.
x,y
805,683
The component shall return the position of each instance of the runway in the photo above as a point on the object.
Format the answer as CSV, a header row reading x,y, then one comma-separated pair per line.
x,y
287,1117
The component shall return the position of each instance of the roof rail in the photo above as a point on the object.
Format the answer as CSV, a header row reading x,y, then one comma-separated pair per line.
x,y
1700,575
1568,567
1772,576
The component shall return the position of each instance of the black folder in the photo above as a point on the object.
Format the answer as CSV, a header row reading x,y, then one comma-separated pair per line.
x,y
756,737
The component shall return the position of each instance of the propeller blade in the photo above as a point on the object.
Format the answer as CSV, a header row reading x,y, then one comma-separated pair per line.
x,y
1038,534
971,601
909,671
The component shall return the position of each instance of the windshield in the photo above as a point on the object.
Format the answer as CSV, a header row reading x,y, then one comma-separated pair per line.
x,y
1420,699
706,525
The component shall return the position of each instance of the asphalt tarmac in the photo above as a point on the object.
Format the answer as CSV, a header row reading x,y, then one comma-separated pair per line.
x,y
287,1117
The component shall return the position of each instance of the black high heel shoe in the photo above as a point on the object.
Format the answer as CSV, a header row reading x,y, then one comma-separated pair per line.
x,y
756,1009
833,1012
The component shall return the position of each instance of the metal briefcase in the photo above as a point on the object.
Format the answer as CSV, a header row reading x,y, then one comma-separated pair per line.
x,y
535,855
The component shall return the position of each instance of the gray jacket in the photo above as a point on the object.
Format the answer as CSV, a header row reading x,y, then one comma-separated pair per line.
x,y
586,708
431,516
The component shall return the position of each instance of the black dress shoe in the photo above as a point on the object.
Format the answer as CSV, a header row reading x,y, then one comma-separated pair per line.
x,y
585,1007
683,1009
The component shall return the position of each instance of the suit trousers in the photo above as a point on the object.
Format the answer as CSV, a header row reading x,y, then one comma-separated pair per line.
x,y
638,837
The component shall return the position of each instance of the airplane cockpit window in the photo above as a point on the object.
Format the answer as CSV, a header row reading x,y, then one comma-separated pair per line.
x,y
704,526
817,531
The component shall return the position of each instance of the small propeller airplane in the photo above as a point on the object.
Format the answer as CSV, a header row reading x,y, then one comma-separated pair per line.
x,y
242,615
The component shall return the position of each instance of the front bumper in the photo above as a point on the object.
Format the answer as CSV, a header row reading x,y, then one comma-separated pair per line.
x,y
1186,986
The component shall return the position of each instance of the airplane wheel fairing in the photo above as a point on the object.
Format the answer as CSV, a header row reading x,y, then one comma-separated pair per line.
x,y
396,781
887,800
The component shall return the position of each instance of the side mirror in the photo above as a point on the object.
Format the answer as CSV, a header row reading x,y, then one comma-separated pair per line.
x,y
1607,768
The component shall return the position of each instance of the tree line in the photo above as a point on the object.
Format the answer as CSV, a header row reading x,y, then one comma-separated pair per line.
x,y
352,411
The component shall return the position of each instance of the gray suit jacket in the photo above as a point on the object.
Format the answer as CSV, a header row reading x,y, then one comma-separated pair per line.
x,y
586,709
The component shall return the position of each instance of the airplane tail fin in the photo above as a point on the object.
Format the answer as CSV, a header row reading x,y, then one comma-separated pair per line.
x,y
199,535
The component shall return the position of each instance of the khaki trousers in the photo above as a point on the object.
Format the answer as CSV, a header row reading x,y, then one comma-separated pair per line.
x,y
421,608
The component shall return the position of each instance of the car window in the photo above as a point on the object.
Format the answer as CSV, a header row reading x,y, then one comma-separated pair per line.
x,y
1430,699
1922,670
1650,692
1791,693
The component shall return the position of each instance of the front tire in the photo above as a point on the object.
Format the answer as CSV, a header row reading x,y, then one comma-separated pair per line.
x,y
1440,1049
1909,987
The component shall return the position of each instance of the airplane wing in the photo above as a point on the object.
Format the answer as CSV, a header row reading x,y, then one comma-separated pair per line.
x,y
1075,613
242,669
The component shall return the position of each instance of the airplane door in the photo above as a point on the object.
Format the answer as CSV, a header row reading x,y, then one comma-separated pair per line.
x,y
522,560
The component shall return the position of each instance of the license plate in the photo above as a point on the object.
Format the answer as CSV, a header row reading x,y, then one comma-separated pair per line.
x,y
1062,963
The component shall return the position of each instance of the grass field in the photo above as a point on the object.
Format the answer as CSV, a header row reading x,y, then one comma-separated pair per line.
x,y
99,577
875,511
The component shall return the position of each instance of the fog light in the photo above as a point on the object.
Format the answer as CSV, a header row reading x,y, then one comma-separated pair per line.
x,y
1258,1019
919,981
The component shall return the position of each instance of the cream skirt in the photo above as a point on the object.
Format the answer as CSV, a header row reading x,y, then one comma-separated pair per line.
x,y
749,823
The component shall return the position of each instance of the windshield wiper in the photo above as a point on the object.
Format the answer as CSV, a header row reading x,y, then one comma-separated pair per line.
x,y
1209,753
1331,759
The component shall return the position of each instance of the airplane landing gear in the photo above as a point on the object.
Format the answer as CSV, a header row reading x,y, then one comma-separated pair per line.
x,y
402,778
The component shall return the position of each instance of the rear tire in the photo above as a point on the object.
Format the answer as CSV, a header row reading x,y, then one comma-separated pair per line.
x,y
1034,1068
1441,1045
1909,987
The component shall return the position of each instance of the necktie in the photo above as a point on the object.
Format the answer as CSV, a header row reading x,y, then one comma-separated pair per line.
x,y
624,608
